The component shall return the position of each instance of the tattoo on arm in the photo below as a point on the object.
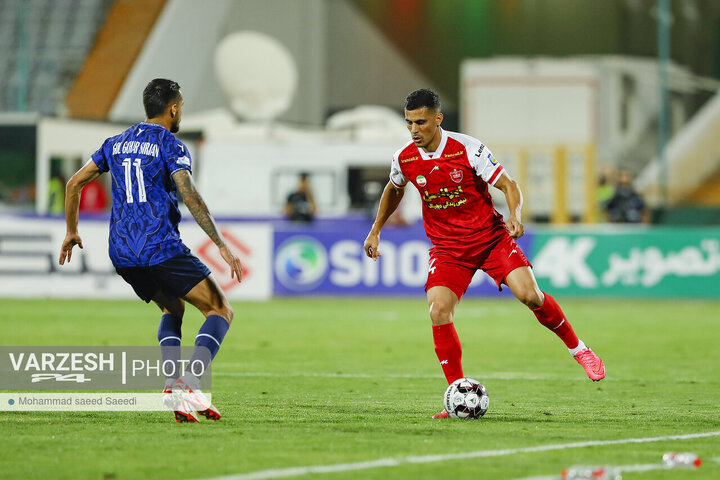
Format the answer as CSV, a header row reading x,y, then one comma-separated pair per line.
x,y
196,205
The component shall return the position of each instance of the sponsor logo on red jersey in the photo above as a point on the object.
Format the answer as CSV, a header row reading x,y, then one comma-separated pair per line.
x,y
456,175
411,159
455,154
446,197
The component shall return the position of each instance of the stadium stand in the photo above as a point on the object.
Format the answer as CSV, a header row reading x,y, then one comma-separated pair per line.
x,y
45,42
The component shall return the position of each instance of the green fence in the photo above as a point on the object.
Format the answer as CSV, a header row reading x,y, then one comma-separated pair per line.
x,y
629,262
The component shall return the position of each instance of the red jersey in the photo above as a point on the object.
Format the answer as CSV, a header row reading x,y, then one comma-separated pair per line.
x,y
458,211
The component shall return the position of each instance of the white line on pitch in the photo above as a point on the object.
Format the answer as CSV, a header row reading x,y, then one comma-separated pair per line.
x,y
394,462
492,376
542,477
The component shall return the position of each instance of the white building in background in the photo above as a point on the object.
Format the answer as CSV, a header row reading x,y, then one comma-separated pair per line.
x,y
555,122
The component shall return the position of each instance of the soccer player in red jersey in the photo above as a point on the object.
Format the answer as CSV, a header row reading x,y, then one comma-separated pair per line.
x,y
452,172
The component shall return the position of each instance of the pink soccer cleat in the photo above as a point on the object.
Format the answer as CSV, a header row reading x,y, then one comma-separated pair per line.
x,y
594,367
443,414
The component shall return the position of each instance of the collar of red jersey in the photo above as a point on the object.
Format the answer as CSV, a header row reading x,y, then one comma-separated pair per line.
x,y
437,153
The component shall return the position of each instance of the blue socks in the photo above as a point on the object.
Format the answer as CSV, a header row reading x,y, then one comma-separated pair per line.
x,y
210,336
212,333
169,335
169,331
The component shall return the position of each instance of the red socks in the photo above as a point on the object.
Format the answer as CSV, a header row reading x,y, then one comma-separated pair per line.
x,y
448,350
552,317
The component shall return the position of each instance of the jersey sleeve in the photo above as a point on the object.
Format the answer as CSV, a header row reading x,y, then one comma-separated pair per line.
x,y
176,155
483,162
396,175
100,158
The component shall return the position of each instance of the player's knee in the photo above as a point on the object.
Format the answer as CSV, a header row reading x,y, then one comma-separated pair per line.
x,y
441,313
222,308
176,309
530,297
228,311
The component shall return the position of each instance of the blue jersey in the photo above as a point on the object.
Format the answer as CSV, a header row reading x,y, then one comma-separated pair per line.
x,y
145,215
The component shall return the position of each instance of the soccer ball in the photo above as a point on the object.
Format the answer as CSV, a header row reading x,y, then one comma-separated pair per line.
x,y
466,398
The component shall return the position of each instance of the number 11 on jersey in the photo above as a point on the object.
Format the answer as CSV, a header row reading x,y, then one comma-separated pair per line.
x,y
127,165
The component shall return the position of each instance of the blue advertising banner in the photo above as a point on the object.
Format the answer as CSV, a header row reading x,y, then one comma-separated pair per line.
x,y
316,261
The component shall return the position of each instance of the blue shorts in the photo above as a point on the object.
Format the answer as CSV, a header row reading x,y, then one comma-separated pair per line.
x,y
174,277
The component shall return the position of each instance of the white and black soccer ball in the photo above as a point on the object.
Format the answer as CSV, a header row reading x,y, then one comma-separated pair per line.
x,y
466,398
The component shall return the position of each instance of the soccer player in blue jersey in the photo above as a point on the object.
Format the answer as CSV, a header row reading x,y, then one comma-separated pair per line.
x,y
149,167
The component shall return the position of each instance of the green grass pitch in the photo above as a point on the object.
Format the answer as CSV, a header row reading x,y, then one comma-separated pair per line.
x,y
317,382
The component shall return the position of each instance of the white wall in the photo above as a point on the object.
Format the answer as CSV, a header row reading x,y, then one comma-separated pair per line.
x,y
300,25
570,100
65,139
180,47
363,66
253,178
517,101
343,60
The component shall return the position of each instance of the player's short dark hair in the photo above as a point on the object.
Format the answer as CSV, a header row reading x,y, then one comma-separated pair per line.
x,y
158,95
422,98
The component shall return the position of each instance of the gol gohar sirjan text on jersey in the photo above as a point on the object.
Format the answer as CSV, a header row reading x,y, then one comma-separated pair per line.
x,y
458,210
145,216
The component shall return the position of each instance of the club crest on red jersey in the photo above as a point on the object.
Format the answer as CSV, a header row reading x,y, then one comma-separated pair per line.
x,y
456,175
421,180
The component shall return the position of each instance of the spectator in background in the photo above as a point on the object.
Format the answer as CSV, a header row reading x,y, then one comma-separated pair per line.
x,y
626,205
604,192
56,192
373,191
93,198
300,204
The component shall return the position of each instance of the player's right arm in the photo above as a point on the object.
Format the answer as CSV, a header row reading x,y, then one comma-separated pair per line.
x,y
88,173
198,208
391,197
389,201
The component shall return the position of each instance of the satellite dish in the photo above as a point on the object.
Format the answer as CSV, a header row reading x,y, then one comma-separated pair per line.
x,y
257,73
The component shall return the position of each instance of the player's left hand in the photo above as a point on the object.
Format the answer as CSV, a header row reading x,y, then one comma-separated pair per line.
x,y
233,261
515,227
71,239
